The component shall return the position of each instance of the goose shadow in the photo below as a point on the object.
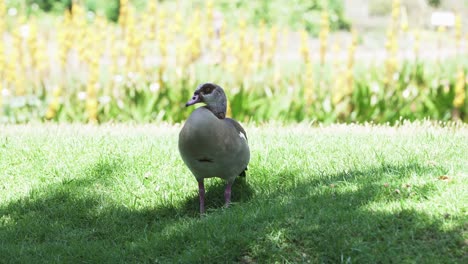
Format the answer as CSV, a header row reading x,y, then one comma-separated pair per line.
x,y
241,193
70,221
315,221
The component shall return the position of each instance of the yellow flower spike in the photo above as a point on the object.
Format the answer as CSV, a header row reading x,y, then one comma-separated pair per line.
x,y
54,105
19,87
305,46
100,23
32,43
309,83
441,29
209,4
337,93
49,114
196,17
354,37
283,46
277,73
2,57
388,46
351,52
404,21
349,81
209,19
162,17
459,98
390,33
11,67
323,35
17,38
178,22
242,24
241,37
150,20
91,90
226,44
274,42
228,107
248,59
2,8
466,41
152,7
458,21
262,39
137,41
17,57
395,9
416,42
1,98
324,18
123,11
130,17
458,30
391,46
394,45
67,16
261,28
77,22
57,91
78,10
336,49
92,108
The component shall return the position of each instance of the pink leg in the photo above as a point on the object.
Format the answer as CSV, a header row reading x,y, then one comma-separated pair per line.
x,y
227,194
201,194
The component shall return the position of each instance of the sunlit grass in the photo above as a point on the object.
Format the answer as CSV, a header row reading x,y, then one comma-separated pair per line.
x,y
120,193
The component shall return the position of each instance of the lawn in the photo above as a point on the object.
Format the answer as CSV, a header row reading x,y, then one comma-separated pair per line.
x,y
339,193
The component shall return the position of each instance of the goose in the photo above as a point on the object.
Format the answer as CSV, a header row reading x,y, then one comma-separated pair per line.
x,y
212,145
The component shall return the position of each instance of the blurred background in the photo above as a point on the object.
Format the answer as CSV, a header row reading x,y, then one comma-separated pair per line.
x,y
291,61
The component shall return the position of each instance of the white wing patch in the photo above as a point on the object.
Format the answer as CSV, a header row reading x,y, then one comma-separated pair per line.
x,y
242,136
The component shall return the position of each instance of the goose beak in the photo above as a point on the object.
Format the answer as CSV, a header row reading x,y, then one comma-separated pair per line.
x,y
195,99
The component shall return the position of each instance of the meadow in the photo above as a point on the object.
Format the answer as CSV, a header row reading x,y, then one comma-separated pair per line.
x,y
90,110
333,194
80,67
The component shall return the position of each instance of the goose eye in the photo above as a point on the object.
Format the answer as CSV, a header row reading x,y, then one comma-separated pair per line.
x,y
208,89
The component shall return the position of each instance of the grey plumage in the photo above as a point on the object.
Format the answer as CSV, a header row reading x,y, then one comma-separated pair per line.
x,y
212,145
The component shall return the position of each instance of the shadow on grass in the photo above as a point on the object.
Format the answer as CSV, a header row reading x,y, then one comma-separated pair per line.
x,y
306,220
214,196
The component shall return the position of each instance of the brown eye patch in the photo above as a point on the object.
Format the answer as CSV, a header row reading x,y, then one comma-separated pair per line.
x,y
208,88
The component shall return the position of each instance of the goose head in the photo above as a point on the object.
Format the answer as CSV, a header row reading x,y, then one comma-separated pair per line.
x,y
213,96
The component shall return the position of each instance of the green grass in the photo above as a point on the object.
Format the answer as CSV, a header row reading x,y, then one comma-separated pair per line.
x,y
120,193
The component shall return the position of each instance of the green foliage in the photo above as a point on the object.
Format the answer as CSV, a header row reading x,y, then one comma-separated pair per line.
x,y
434,3
380,7
279,91
51,5
295,14
112,10
420,90
109,8
121,194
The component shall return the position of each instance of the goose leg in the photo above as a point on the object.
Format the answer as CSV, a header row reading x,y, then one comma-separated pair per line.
x,y
201,194
227,194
